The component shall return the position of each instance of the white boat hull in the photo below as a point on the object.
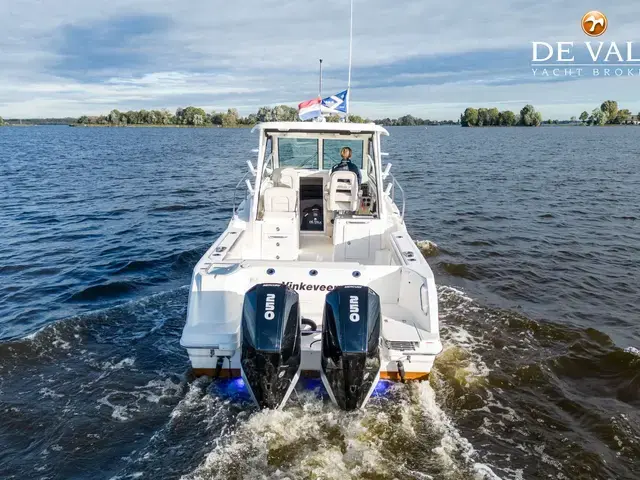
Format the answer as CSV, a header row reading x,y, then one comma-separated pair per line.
x,y
417,368
410,330
313,229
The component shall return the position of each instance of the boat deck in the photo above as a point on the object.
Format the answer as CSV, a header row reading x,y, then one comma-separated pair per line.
x,y
315,248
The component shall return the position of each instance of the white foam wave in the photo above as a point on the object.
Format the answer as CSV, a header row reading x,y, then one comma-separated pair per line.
x,y
125,404
157,389
633,351
34,334
159,320
316,440
320,442
125,362
48,393
445,291
427,247
193,399
118,412
452,443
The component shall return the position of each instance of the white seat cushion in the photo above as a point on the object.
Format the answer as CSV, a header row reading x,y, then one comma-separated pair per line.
x,y
280,199
343,192
286,177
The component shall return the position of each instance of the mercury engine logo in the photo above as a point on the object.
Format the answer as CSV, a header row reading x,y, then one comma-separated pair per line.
x,y
354,308
270,306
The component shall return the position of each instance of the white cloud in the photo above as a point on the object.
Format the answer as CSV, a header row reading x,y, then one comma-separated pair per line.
x,y
251,53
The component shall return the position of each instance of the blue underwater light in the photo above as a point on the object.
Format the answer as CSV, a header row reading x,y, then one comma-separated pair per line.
x,y
382,388
235,388
237,384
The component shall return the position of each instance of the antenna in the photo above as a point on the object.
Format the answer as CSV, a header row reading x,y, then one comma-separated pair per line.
x,y
350,56
320,87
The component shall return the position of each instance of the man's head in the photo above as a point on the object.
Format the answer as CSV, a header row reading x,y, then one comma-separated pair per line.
x,y
345,153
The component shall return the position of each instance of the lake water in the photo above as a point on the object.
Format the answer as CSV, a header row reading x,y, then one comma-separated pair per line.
x,y
538,267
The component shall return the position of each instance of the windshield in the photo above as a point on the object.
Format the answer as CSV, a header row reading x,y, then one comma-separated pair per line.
x,y
298,152
331,151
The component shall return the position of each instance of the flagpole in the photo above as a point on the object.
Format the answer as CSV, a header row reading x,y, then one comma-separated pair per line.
x,y
350,57
320,86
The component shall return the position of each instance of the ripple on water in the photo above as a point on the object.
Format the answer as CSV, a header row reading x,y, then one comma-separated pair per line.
x,y
552,237
525,391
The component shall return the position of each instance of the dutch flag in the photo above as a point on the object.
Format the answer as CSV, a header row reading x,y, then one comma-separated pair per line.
x,y
310,109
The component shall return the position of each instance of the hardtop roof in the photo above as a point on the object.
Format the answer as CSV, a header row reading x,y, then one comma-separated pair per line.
x,y
321,127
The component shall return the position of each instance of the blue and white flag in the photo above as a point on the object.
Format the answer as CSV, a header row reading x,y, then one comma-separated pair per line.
x,y
336,103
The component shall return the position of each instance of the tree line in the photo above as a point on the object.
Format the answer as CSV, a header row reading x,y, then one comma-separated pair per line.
x,y
607,114
197,117
40,121
1,121
492,117
194,116
410,120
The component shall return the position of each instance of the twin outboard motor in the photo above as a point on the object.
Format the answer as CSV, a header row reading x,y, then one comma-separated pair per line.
x,y
271,355
350,362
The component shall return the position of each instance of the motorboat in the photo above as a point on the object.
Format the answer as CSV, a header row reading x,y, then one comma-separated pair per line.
x,y
315,274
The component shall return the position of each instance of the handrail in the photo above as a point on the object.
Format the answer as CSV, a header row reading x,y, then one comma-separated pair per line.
x,y
392,194
252,170
235,190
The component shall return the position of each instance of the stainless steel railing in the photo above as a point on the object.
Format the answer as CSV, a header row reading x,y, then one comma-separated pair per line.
x,y
242,181
392,194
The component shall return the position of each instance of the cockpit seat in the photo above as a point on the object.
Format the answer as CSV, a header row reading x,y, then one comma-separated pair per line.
x,y
280,202
286,177
281,224
343,192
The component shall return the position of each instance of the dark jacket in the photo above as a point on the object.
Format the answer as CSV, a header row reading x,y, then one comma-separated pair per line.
x,y
350,166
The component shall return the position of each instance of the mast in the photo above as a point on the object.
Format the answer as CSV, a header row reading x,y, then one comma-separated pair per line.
x,y
350,57
320,118
320,86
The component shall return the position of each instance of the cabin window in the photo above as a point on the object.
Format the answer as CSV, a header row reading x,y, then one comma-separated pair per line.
x,y
331,152
298,153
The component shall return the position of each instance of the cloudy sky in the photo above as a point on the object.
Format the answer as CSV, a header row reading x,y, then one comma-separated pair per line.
x,y
430,59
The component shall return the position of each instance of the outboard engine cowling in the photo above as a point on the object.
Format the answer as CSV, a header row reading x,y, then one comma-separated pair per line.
x,y
350,365
271,355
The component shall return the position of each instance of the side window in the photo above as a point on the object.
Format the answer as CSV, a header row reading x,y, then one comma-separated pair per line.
x,y
298,152
331,155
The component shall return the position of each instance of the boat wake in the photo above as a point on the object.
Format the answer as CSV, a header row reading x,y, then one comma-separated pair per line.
x,y
527,393
510,397
402,435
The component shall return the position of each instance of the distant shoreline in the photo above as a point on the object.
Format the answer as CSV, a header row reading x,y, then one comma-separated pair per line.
x,y
9,125
555,125
194,117
154,126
